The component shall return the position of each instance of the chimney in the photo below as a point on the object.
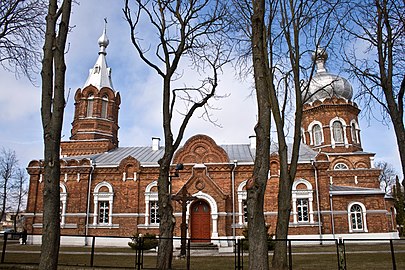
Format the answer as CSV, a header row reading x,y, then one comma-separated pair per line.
x,y
155,143
252,142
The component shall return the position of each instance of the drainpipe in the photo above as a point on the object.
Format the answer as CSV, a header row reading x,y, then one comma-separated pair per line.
x,y
235,163
333,219
86,228
317,201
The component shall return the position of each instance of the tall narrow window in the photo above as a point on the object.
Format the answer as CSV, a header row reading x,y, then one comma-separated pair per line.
x,y
104,106
245,213
302,210
356,217
103,209
317,134
338,132
90,103
154,215
354,133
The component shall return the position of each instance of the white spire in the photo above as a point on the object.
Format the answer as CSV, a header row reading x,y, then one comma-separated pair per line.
x,y
100,74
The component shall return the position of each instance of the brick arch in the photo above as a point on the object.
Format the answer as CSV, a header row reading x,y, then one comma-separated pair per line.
x,y
89,90
361,165
105,91
200,149
129,161
342,160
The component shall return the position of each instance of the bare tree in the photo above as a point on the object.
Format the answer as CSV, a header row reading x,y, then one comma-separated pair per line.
x,y
18,194
283,34
53,104
21,34
186,31
376,58
387,176
8,170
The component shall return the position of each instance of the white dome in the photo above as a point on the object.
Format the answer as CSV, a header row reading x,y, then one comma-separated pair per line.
x,y
326,85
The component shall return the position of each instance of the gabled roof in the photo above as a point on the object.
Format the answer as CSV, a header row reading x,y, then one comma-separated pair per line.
x,y
345,190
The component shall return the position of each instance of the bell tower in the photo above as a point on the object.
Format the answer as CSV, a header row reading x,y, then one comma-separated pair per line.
x,y
330,117
95,124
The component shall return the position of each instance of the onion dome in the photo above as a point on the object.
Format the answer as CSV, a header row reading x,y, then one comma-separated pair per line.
x,y
324,84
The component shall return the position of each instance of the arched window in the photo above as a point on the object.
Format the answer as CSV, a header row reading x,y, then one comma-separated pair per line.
x,y
103,204
104,106
357,217
355,132
340,166
62,205
337,128
317,134
242,203
302,199
90,103
303,139
151,205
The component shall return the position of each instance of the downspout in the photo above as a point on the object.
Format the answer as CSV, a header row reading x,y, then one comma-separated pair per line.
x,y
317,201
235,163
331,212
86,228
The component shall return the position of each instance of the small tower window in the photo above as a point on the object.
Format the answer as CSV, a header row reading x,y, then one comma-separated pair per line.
x,y
90,103
337,128
104,105
354,133
317,134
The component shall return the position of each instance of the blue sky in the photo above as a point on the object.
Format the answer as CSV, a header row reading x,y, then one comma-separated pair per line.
x,y
140,90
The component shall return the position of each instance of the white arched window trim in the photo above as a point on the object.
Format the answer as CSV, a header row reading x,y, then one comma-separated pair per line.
x,y
103,196
63,202
363,212
104,106
311,135
150,196
214,211
302,194
303,138
90,105
340,166
242,196
356,132
332,140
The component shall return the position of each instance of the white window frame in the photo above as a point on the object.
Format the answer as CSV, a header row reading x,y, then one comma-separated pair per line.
x,y
149,197
103,196
355,132
302,194
303,138
63,202
242,196
104,107
340,166
90,108
333,142
363,216
311,134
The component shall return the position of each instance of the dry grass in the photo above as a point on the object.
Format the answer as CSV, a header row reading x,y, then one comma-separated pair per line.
x,y
359,256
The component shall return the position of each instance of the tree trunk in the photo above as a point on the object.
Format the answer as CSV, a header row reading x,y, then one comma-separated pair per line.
x,y
167,220
257,233
53,103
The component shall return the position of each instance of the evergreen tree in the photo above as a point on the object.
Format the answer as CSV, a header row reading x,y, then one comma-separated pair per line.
x,y
399,205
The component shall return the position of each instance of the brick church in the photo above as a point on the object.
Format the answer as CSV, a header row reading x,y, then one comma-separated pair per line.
x,y
107,190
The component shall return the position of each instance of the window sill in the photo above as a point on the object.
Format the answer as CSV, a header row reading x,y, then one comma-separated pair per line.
x,y
104,226
303,224
149,226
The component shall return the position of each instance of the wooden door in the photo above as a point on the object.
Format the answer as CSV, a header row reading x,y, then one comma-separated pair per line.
x,y
200,221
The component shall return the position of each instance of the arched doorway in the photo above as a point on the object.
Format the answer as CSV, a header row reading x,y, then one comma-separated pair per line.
x,y
200,221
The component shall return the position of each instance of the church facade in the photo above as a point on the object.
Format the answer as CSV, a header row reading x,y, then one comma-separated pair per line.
x,y
107,190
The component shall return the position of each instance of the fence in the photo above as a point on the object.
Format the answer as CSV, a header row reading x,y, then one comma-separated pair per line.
x,y
224,254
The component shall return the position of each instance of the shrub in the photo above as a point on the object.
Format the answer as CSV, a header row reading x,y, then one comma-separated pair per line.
x,y
149,241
